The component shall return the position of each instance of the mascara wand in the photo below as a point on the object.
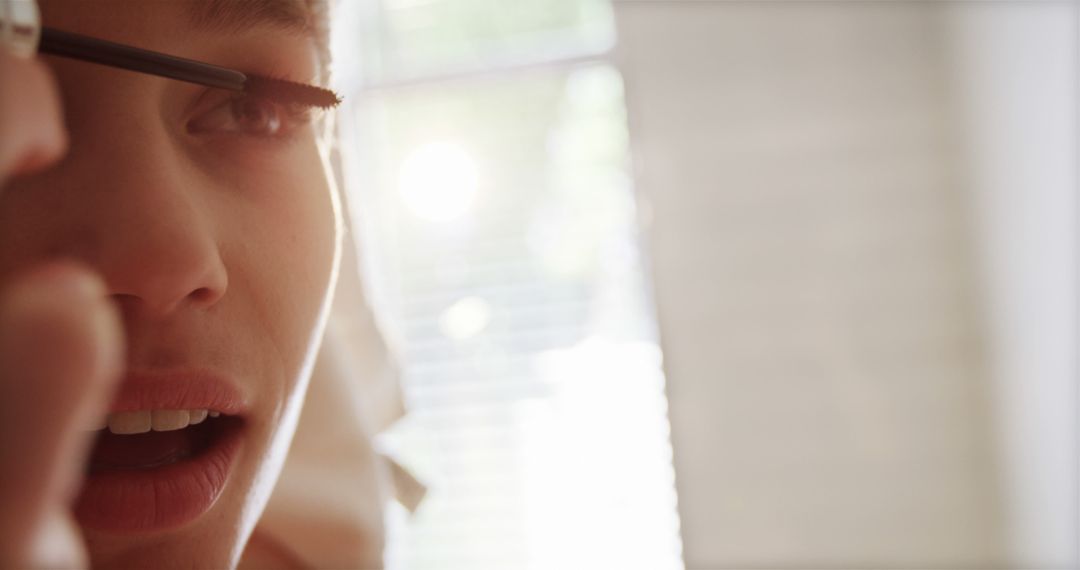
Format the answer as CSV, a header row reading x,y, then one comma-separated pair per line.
x,y
93,50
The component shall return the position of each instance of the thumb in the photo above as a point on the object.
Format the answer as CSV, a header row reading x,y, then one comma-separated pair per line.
x,y
60,354
32,133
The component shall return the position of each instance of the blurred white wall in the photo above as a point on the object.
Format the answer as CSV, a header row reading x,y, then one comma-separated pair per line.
x,y
1015,69
862,232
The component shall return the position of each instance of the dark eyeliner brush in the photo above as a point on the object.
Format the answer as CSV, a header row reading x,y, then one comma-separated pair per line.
x,y
93,50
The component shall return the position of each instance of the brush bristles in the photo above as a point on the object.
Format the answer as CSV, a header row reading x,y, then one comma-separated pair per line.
x,y
284,91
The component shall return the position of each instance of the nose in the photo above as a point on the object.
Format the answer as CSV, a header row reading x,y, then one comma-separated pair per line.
x,y
155,232
166,261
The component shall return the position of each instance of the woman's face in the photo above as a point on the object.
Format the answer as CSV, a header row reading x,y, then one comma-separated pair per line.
x,y
214,225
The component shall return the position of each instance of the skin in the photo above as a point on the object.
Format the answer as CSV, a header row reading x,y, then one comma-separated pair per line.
x,y
147,230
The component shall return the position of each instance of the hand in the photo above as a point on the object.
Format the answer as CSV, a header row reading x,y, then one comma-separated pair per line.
x,y
61,353
32,134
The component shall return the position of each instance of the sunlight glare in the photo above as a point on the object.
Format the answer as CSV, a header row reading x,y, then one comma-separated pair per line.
x,y
438,181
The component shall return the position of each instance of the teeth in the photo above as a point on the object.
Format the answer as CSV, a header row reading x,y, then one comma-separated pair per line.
x,y
129,422
142,421
169,420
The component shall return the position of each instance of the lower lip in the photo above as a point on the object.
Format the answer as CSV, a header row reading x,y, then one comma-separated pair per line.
x,y
160,498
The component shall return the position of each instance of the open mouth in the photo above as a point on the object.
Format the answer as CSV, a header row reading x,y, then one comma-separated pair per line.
x,y
156,470
142,440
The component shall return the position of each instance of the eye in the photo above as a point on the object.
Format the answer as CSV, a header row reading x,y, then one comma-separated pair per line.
x,y
247,115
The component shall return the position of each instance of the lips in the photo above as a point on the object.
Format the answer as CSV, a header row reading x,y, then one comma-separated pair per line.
x,y
156,479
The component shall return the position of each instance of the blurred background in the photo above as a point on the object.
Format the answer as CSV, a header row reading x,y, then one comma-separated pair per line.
x,y
718,284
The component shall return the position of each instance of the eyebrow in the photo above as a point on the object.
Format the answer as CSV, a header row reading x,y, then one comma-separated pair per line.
x,y
234,16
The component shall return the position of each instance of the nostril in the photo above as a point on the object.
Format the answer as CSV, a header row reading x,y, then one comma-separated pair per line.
x,y
203,295
124,302
129,305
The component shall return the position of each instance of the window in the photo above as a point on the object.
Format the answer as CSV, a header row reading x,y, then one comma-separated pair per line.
x,y
488,163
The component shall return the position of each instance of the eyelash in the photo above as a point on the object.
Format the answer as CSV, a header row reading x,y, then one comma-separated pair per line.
x,y
286,119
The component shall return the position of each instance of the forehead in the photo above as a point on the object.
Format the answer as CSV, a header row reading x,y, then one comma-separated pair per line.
x,y
217,17
230,16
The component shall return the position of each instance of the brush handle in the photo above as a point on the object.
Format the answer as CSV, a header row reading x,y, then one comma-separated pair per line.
x,y
93,50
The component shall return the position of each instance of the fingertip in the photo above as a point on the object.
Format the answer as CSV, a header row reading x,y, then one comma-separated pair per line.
x,y
69,276
39,157
32,131
50,140
61,308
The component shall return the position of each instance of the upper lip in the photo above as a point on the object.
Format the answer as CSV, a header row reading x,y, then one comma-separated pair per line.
x,y
178,389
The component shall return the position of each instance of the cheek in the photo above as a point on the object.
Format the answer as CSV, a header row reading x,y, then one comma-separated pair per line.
x,y
30,212
290,249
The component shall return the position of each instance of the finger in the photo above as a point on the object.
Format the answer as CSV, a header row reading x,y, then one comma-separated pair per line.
x,y
32,134
60,354
57,544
